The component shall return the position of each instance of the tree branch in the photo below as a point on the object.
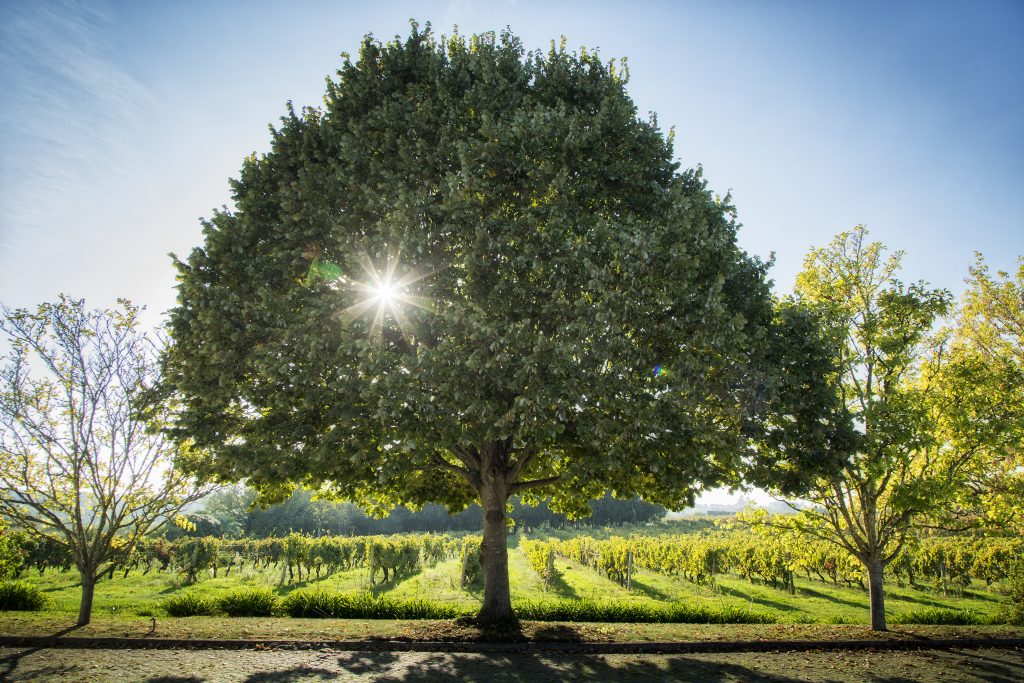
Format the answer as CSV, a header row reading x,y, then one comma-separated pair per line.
x,y
535,483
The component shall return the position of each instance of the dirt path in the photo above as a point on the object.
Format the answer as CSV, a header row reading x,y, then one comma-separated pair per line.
x,y
200,666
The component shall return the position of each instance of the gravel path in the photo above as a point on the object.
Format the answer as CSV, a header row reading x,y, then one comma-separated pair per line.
x,y
196,666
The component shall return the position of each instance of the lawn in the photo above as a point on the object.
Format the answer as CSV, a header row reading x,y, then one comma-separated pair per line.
x,y
276,628
813,602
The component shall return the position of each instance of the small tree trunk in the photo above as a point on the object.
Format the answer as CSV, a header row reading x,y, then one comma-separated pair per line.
x,y
876,594
497,605
629,570
88,589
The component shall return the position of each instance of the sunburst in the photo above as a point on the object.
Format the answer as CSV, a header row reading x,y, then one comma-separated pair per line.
x,y
387,293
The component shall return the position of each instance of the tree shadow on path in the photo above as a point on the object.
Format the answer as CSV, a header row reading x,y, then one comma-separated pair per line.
x,y
529,668
9,662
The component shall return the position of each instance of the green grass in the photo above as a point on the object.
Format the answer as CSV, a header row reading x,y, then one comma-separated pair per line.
x,y
814,602
934,616
638,613
321,604
440,583
105,626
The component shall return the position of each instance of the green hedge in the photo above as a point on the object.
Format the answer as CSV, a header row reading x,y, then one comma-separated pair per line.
x,y
632,612
325,604
940,617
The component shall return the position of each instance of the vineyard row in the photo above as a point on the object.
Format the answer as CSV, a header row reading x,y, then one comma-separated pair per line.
x,y
949,563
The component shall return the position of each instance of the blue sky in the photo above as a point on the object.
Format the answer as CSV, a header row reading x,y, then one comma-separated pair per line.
x,y
122,122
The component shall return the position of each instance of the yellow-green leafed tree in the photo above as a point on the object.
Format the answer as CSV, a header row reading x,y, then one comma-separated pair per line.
x,y
79,464
938,408
881,329
989,336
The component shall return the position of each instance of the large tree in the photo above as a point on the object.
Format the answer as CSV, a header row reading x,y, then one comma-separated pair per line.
x,y
476,273
79,463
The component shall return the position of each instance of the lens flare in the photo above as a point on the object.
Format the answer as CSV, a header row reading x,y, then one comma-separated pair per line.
x,y
388,293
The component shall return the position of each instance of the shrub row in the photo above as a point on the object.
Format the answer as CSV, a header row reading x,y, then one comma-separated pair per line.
x,y
640,613
936,616
242,602
315,603
324,604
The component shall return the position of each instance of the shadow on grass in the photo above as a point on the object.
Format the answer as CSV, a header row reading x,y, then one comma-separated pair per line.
x,y
765,602
983,595
933,596
927,602
562,633
650,591
563,589
810,592
392,582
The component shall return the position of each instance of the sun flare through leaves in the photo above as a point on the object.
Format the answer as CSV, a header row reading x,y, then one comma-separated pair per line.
x,y
387,292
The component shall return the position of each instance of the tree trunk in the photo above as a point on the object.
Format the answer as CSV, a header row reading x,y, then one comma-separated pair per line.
x,y
497,605
88,589
876,594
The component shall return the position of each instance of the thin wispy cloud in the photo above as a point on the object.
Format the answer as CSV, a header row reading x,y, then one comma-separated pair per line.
x,y
69,112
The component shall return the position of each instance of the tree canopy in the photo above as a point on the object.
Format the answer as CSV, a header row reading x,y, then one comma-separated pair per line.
x,y
475,272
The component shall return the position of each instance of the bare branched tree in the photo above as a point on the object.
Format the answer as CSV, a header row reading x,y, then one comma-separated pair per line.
x,y
78,461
